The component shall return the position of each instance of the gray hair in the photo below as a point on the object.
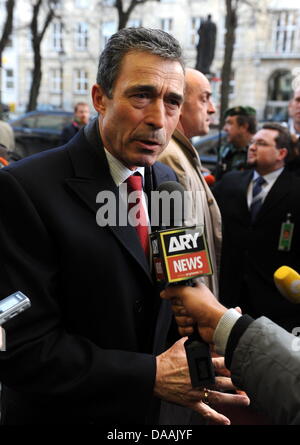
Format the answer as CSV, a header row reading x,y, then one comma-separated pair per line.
x,y
153,41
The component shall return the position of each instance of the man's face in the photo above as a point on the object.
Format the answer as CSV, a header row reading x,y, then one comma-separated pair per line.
x,y
233,129
82,114
294,107
262,152
197,107
138,122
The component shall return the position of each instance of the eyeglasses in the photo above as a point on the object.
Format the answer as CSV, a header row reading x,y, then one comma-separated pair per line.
x,y
260,143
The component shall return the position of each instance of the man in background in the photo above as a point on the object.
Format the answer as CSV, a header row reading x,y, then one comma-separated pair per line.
x,y
182,157
240,126
7,138
81,118
261,228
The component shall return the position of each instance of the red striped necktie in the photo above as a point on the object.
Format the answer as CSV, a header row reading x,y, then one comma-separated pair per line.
x,y
134,184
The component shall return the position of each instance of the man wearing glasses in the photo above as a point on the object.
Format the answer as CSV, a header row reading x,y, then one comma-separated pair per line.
x,y
260,210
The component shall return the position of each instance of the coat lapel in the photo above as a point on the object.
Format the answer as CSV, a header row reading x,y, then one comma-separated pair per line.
x,y
242,206
91,176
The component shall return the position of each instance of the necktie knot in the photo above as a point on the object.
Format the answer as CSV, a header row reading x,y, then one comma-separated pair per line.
x,y
260,181
134,183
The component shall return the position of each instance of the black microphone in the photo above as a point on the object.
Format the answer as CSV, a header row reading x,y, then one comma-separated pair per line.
x,y
180,254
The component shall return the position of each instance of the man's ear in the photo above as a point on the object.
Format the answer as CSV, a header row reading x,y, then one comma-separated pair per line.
x,y
99,99
245,127
283,152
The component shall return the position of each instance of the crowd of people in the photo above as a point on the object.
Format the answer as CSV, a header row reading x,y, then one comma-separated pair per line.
x,y
99,345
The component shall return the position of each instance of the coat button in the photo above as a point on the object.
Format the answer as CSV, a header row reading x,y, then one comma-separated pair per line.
x,y
139,305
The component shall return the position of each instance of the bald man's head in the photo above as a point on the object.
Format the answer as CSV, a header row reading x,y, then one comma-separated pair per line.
x,y
197,106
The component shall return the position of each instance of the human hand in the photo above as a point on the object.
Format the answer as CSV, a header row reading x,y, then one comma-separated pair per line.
x,y
174,385
195,304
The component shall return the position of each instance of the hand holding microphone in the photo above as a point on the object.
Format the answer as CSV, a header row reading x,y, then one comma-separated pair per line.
x,y
198,302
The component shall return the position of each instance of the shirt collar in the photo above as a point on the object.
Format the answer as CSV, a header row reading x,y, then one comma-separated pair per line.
x,y
119,171
270,177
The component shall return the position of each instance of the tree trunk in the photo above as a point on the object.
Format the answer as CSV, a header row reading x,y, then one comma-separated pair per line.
x,y
124,15
123,19
36,39
231,25
36,79
7,30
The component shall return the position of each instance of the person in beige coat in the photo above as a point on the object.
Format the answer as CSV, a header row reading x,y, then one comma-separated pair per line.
x,y
183,158
7,138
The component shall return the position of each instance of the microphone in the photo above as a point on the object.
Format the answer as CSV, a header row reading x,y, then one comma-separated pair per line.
x,y
179,254
287,281
209,178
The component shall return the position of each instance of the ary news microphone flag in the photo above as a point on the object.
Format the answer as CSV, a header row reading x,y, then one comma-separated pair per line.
x,y
287,281
180,254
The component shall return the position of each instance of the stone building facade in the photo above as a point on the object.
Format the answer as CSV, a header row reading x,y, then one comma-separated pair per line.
x,y
266,56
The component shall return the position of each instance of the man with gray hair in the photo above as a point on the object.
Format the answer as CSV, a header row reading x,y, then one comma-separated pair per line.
x,y
92,348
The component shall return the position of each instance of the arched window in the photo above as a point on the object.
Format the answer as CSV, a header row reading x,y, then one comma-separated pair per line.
x,y
280,86
279,93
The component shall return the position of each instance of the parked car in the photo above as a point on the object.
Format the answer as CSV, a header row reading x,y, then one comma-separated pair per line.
x,y
39,130
4,111
208,146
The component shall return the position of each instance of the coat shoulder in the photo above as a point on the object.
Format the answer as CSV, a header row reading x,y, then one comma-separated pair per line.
x,y
161,170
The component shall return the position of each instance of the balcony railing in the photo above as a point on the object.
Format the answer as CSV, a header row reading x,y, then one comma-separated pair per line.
x,y
278,49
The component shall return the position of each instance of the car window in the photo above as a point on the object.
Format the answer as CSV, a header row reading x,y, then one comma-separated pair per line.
x,y
27,122
51,122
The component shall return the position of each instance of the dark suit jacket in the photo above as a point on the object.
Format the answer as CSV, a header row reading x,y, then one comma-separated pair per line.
x,y
250,253
83,351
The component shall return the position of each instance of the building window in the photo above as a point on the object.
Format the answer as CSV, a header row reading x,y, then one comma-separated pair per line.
x,y
108,29
81,3
284,31
279,94
81,36
232,85
57,36
55,80
195,23
280,86
166,25
28,79
9,79
80,81
134,23
28,40
57,4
